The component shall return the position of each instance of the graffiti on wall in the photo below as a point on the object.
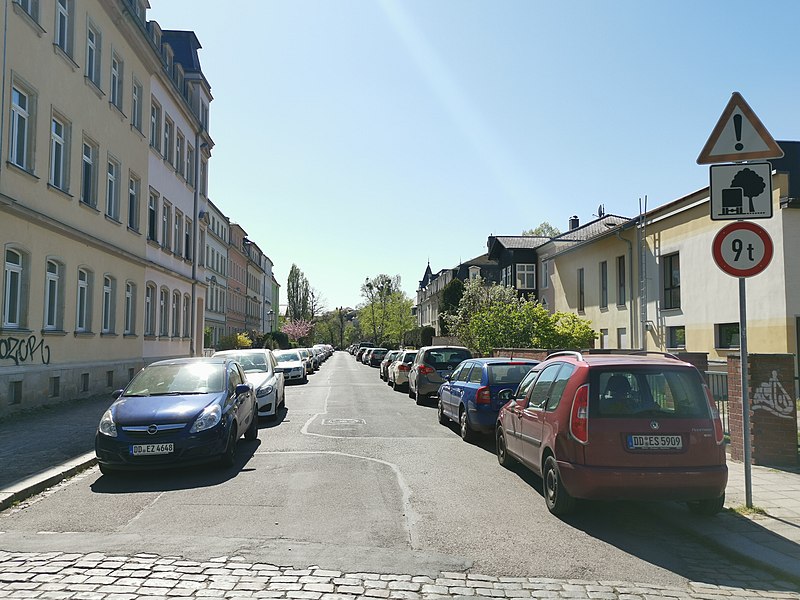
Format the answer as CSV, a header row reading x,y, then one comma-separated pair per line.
x,y
772,397
22,350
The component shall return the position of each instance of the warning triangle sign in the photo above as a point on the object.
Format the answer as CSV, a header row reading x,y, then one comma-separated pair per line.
x,y
738,136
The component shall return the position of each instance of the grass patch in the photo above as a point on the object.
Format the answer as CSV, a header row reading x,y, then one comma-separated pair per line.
x,y
755,511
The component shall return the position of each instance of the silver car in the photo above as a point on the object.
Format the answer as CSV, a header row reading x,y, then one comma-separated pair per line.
x,y
399,369
430,368
259,367
291,364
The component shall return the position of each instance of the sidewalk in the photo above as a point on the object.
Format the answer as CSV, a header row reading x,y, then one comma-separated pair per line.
x,y
39,449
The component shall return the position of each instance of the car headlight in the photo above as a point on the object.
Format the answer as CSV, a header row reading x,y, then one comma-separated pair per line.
x,y
263,391
107,425
210,417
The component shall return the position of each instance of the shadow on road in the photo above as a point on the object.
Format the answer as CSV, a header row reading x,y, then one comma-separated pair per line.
x,y
270,422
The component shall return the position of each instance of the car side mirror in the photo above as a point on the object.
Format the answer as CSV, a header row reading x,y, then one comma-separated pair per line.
x,y
116,394
447,377
505,395
243,388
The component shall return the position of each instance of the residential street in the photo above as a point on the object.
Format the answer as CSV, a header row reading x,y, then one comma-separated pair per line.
x,y
356,478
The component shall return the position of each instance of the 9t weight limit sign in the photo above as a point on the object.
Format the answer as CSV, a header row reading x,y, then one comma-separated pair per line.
x,y
742,249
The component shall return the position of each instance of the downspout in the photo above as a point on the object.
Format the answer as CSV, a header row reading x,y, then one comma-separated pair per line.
x,y
3,100
196,226
631,316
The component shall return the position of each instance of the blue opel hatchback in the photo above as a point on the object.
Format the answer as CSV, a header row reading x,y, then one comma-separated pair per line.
x,y
470,395
178,412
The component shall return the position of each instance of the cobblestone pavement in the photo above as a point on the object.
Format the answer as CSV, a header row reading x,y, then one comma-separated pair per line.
x,y
97,576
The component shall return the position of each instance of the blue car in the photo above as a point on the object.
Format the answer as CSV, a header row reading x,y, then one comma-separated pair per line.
x,y
178,412
470,396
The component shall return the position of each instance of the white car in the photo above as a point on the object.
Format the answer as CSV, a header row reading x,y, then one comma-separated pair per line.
x,y
291,364
260,368
397,374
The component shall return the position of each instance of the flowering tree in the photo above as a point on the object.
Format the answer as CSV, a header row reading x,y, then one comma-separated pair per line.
x,y
297,329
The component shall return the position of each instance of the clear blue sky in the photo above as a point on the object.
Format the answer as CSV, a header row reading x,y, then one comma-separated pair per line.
x,y
360,137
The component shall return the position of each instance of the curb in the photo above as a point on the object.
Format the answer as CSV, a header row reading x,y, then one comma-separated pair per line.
x,y
30,486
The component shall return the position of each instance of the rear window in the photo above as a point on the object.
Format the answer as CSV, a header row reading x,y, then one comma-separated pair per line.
x,y
676,393
508,374
409,357
378,353
446,358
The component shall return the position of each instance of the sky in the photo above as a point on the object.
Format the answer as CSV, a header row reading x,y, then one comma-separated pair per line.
x,y
360,137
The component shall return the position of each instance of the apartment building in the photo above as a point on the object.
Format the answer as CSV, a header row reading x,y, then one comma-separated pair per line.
x,y
236,316
216,261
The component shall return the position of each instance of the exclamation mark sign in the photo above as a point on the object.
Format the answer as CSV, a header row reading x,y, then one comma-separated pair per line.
x,y
737,127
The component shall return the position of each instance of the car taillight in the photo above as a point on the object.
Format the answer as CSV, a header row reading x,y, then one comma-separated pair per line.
x,y
483,396
579,416
425,370
403,367
719,434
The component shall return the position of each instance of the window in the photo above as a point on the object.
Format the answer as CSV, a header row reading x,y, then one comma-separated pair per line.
x,y
136,104
176,314
676,337
58,154
622,338
187,313
12,296
52,296
112,190
545,274
155,124
672,281
178,233
604,284
505,276
89,174
166,222
108,305
116,81
526,277
21,134
31,7
134,187
55,387
727,335
541,389
64,26
621,294
163,311
581,295
187,240
204,177
204,115
603,338
130,309
180,159
152,217
169,143
150,310
82,309
93,45
190,164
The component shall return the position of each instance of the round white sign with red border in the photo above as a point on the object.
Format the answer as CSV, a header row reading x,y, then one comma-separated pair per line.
x,y
742,249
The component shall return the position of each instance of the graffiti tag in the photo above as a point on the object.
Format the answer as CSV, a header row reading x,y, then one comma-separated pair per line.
x,y
772,397
22,350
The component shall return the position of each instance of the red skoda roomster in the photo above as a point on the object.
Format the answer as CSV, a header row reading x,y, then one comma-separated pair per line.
x,y
604,427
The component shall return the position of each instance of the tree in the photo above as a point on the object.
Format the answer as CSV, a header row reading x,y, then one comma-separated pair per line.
x,y
752,184
451,296
297,295
386,310
544,229
297,329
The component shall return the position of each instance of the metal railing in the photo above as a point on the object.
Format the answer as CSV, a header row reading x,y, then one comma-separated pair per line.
x,y
718,383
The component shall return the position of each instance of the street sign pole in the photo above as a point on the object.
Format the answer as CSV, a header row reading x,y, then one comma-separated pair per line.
x,y
748,482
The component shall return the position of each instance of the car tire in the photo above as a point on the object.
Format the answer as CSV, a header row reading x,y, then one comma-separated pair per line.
x,y
556,496
418,398
467,433
503,457
708,506
411,392
304,380
252,431
105,470
442,417
229,455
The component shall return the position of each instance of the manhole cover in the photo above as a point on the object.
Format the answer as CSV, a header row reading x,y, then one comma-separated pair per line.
x,y
343,422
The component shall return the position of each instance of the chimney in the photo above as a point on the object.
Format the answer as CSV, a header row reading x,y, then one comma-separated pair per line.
x,y
574,222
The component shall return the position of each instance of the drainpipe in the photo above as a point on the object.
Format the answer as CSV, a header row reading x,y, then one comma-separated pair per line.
x,y
195,228
3,100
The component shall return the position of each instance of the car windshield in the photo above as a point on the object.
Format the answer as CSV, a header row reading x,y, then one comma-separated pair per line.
x,y
287,356
175,379
628,392
447,358
510,374
252,362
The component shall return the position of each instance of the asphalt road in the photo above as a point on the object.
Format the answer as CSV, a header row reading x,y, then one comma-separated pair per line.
x,y
357,477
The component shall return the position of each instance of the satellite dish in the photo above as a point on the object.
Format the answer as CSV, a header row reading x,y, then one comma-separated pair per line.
x,y
601,211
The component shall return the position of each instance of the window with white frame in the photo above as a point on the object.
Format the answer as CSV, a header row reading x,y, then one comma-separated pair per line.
x,y
545,274
169,142
176,314
112,190
21,134
152,217
31,7
190,164
204,177
134,190
52,296
63,29
603,284
187,313
93,45
116,80
155,124
177,237
187,239
163,312
108,305
89,174
136,104
166,223
58,153
12,289
150,310
526,276
204,115
180,159
82,305
505,276
621,294
130,308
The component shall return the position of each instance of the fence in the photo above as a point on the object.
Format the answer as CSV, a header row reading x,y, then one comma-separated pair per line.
x,y
718,383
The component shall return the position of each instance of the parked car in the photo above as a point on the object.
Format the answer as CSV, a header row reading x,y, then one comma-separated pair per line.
x,y
178,412
383,368
361,348
430,367
309,359
365,355
376,357
291,364
471,395
399,369
637,427
259,366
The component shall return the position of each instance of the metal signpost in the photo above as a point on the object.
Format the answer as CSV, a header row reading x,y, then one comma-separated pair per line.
x,y
741,191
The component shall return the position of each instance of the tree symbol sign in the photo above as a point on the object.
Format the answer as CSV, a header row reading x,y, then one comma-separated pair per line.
x,y
751,184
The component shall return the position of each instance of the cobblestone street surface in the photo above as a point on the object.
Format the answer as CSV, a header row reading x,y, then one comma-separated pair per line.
x,y
98,576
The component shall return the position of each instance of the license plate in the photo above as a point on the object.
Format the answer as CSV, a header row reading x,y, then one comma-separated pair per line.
x,y
655,442
150,449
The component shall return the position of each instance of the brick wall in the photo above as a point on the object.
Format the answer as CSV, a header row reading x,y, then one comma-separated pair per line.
x,y
534,353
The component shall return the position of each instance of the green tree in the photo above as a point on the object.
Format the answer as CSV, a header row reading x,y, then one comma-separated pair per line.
x,y
298,295
543,229
385,314
451,296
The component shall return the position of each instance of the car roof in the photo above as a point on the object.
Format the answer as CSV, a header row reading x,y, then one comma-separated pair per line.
x,y
218,360
444,346
489,360
622,360
241,351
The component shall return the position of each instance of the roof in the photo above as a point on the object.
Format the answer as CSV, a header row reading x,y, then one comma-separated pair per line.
x,y
591,229
521,241
184,46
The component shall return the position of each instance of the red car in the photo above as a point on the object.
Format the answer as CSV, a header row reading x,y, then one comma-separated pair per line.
x,y
605,427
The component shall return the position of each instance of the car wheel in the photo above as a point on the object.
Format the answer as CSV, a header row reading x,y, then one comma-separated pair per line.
x,y
252,431
708,506
411,392
228,457
503,457
305,378
442,417
467,433
557,498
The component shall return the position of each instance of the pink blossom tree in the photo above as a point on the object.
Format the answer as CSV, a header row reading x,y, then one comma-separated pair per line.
x,y
297,329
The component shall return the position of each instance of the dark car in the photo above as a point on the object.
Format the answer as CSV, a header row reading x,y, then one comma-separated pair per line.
x,y
376,356
607,427
178,412
471,395
430,367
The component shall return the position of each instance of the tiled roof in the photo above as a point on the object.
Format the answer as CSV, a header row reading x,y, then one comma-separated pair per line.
x,y
591,229
521,241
